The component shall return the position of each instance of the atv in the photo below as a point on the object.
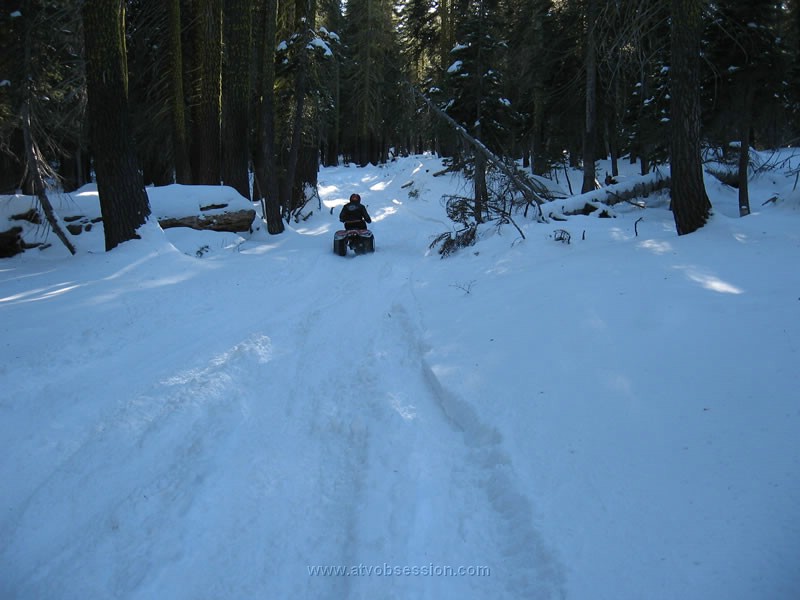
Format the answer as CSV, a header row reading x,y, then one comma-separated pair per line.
x,y
359,241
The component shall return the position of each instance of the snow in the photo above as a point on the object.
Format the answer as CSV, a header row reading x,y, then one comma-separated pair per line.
x,y
211,415
455,67
321,44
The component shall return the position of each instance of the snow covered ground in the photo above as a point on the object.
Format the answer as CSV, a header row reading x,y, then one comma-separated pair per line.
x,y
203,415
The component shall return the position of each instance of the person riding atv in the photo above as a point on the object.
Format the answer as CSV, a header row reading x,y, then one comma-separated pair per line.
x,y
354,215
355,234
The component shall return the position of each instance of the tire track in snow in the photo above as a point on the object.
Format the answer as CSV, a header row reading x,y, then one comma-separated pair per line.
x,y
427,482
324,478
525,564
158,454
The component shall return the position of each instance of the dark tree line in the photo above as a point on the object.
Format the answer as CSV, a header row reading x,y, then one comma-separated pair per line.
x,y
256,94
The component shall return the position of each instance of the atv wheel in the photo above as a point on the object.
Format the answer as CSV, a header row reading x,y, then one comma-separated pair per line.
x,y
340,247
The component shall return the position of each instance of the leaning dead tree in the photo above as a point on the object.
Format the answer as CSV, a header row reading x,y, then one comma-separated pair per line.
x,y
34,159
531,193
34,166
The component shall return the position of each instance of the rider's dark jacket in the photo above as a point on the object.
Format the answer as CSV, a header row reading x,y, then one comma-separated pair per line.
x,y
354,216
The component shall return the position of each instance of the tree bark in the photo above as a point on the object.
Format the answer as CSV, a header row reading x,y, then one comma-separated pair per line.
x,y
539,158
123,200
206,114
236,95
481,193
589,131
745,126
300,85
180,141
690,204
265,160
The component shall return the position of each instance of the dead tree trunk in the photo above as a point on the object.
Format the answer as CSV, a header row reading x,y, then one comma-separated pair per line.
x,y
589,130
33,158
744,149
32,155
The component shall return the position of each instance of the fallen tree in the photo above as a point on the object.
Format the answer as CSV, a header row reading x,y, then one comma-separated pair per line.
x,y
240,220
604,198
533,194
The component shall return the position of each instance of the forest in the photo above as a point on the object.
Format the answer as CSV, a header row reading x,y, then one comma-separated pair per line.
x,y
509,398
259,94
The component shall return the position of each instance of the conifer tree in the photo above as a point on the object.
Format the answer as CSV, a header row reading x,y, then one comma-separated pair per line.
x,y
475,89
180,136
690,204
206,37
371,54
265,161
123,200
235,134
746,51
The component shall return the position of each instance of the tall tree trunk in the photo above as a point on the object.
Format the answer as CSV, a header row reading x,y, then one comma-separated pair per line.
x,y
12,167
180,140
206,127
265,160
123,200
745,126
236,95
481,193
539,157
589,131
287,194
34,159
690,204
446,32
300,85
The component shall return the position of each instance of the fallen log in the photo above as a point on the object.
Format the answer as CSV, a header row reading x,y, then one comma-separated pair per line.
x,y
234,221
602,199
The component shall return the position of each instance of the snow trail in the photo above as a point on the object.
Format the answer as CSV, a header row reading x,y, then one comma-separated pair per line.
x,y
435,487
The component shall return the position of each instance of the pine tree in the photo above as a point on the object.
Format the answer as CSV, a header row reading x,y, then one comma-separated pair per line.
x,y
265,161
180,136
42,71
150,92
745,49
236,95
475,89
123,200
690,204
531,61
371,52
207,69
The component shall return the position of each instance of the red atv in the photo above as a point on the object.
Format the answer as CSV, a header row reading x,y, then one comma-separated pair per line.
x,y
359,241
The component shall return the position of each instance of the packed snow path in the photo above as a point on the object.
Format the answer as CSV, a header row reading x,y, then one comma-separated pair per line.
x,y
269,420
328,444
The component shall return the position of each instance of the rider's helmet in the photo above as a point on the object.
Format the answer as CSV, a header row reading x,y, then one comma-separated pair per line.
x,y
355,198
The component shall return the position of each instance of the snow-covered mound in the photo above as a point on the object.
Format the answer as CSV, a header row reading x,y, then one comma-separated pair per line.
x,y
199,206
